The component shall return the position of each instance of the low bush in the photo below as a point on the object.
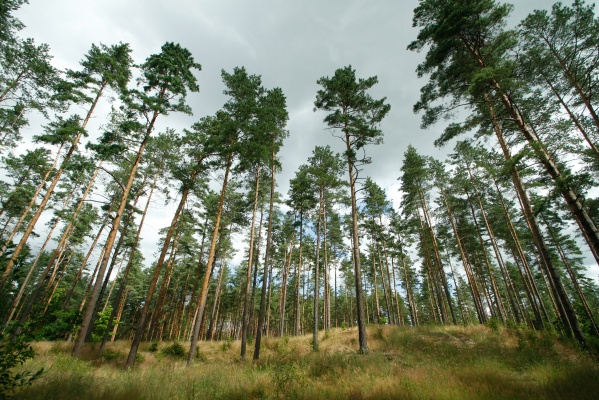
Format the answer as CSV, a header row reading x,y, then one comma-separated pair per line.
x,y
175,349
13,354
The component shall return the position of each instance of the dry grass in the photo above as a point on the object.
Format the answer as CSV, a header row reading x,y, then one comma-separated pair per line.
x,y
426,363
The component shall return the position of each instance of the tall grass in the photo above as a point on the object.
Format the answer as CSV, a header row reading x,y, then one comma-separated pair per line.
x,y
473,362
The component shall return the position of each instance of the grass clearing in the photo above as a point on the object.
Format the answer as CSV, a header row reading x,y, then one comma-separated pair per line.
x,y
473,362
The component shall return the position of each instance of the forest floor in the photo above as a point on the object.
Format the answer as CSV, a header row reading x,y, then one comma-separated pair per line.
x,y
474,362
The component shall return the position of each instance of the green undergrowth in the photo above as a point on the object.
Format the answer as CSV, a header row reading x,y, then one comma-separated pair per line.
x,y
474,362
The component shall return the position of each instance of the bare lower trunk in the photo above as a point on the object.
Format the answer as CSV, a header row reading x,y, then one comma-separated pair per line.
x,y
246,303
209,265
265,281
363,340
88,316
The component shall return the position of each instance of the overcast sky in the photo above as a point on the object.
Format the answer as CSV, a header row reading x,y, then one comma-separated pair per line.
x,y
290,44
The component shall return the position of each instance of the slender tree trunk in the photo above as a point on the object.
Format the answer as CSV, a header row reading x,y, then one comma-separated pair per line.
x,y
494,288
567,315
326,270
88,316
495,247
265,281
386,288
286,268
298,275
362,339
15,303
441,271
50,191
209,265
70,226
316,273
409,290
246,305
213,316
574,280
123,286
117,318
267,328
84,263
573,118
255,267
571,76
157,313
25,213
434,294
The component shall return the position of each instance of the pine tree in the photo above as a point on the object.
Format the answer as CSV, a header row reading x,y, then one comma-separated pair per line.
x,y
358,116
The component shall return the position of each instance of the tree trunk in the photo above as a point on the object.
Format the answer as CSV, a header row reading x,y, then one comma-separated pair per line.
x,y
209,265
567,315
50,191
214,316
123,286
24,214
246,305
88,316
363,340
286,268
316,273
265,281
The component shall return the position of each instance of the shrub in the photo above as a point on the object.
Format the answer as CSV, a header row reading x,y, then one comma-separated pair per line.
x,y
200,356
226,344
154,346
284,375
378,334
12,355
111,355
176,349
493,323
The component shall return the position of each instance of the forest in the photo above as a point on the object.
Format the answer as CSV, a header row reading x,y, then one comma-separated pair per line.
x,y
503,232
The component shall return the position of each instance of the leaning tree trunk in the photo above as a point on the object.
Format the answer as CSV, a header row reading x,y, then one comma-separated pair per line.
x,y
50,190
209,265
88,316
567,314
24,214
123,285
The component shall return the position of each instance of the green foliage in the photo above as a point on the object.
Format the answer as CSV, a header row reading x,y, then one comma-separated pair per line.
x,y
167,77
494,324
11,355
226,344
200,356
282,346
101,325
154,346
379,334
284,376
175,349
111,355
352,110
57,325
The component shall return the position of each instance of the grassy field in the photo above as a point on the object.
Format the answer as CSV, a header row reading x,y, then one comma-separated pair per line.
x,y
427,363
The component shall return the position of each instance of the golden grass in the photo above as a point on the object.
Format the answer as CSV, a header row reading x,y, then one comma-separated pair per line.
x,y
452,362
